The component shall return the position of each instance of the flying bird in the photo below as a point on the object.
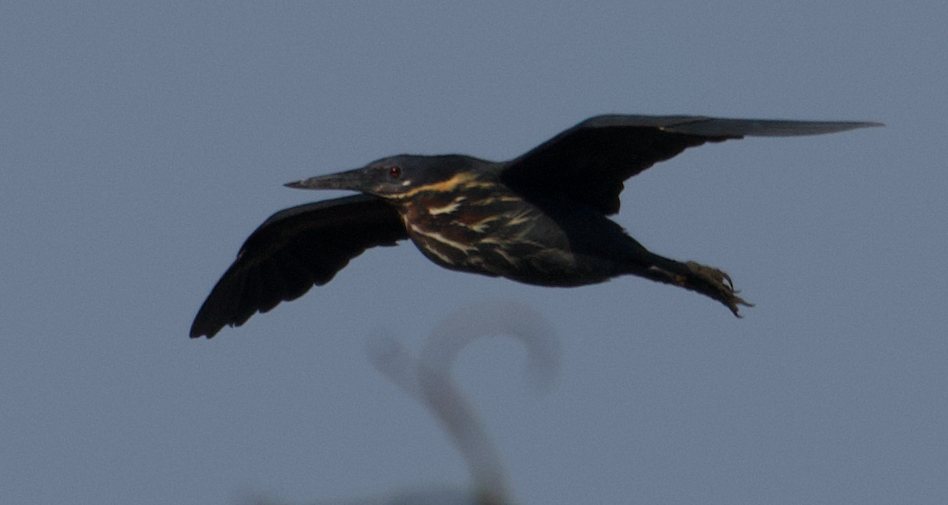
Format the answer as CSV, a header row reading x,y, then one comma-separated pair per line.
x,y
540,218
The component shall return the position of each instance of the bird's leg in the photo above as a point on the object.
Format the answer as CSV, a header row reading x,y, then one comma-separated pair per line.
x,y
693,276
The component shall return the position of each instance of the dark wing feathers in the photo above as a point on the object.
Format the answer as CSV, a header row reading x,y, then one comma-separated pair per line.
x,y
589,161
293,250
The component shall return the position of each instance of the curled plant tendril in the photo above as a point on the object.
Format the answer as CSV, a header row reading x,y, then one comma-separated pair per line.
x,y
427,378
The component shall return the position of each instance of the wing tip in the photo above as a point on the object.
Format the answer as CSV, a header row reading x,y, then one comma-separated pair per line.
x,y
199,330
727,127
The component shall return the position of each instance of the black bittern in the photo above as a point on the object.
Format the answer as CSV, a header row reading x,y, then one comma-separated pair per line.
x,y
538,219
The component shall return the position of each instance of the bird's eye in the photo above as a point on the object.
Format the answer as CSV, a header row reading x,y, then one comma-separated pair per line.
x,y
394,171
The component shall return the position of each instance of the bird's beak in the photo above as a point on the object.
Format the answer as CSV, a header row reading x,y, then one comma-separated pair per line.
x,y
351,179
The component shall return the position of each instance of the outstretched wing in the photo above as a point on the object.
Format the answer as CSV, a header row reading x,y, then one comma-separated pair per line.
x,y
293,250
588,162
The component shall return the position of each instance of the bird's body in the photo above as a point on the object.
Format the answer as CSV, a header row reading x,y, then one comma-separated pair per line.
x,y
473,223
483,227
538,219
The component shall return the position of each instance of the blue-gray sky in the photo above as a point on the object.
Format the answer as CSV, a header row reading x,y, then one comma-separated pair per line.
x,y
140,143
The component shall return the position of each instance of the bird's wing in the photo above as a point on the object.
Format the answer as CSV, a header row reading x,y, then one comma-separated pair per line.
x,y
293,250
588,162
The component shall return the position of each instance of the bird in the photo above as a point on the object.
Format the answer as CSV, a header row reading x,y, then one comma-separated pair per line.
x,y
540,218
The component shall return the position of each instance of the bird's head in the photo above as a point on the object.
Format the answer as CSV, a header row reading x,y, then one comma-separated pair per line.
x,y
398,177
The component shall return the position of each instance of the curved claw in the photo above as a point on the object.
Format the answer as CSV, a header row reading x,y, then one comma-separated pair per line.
x,y
718,285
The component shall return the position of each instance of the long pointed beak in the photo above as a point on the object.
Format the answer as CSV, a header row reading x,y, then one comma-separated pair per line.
x,y
351,179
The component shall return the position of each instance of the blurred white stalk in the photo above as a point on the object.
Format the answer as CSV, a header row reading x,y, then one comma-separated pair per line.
x,y
428,378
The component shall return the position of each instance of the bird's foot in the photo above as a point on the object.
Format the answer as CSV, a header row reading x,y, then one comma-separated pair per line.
x,y
716,284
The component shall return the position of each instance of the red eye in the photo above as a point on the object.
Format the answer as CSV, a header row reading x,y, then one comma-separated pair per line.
x,y
394,171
